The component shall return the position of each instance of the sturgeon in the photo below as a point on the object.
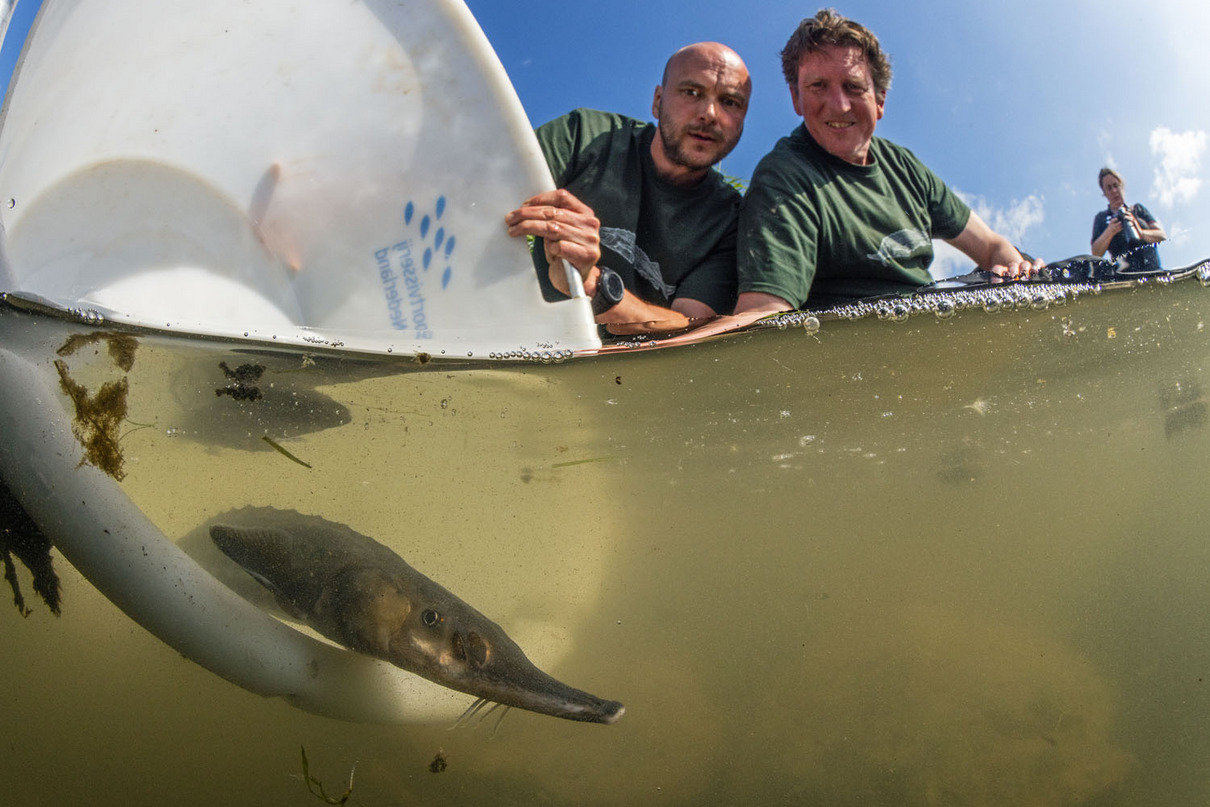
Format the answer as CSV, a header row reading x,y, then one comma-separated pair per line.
x,y
360,594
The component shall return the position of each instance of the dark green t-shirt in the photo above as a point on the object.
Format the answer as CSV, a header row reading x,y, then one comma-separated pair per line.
x,y
815,225
666,242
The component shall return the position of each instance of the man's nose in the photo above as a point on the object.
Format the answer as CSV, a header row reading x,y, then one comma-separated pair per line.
x,y
838,99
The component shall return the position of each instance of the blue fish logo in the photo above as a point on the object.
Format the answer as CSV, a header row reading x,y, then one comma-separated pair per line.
x,y
438,249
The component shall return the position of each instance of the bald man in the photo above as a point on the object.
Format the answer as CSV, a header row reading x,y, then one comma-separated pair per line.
x,y
640,212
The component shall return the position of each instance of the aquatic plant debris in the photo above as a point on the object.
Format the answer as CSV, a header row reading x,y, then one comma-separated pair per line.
x,y
241,381
277,447
20,536
121,346
97,420
99,416
313,783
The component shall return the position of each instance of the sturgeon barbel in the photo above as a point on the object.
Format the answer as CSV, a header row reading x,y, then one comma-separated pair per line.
x,y
360,594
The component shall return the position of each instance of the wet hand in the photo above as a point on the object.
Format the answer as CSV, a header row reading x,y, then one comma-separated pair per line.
x,y
568,227
1019,270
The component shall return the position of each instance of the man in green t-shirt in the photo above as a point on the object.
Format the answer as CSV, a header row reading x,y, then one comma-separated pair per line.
x,y
640,212
835,214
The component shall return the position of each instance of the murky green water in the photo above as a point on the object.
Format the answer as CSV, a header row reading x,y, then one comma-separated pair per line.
x,y
954,562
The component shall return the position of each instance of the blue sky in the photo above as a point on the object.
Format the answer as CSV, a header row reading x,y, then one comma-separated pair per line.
x,y
1015,105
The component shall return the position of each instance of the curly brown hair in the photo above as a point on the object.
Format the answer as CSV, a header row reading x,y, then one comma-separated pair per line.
x,y
828,27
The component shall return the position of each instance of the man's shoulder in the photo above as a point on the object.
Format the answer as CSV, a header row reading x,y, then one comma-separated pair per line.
x,y
790,160
594,122
894,157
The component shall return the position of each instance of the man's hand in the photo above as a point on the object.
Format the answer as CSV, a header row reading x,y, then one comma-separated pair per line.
x,y
993,252
568,228
1019,270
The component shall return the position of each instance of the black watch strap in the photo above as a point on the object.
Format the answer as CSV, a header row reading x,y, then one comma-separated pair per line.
x,y
610,290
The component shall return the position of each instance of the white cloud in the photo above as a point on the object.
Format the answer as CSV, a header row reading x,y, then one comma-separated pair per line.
x,y
948,262
1179,234
1012,222
1180,158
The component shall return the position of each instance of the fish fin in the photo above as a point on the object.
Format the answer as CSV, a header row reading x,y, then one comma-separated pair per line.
x,y
256,548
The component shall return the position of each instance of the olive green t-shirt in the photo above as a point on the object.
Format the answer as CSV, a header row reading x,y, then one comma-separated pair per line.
x,y
666,242
816,227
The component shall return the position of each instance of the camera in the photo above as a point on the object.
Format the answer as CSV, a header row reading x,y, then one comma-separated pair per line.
x,y
1127,228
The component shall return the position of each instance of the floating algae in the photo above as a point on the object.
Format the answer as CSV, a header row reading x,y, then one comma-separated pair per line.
x,y
99,415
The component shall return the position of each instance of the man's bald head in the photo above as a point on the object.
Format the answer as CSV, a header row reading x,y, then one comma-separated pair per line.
x,y
714,53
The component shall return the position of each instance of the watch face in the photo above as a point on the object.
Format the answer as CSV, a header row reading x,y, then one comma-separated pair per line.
x,y
610,290
612,286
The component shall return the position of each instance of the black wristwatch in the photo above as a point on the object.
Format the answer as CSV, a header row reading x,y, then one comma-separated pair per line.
x,y
610,289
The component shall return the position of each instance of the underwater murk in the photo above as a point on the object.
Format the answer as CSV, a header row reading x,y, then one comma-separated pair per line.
x,y
953,556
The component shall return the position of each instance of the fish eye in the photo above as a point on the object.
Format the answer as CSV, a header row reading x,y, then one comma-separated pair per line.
x,y
430,617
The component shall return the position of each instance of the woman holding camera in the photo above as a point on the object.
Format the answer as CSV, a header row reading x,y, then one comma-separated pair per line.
x,y
1129,233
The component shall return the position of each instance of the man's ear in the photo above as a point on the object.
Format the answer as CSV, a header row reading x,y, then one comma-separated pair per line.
x,y
655,101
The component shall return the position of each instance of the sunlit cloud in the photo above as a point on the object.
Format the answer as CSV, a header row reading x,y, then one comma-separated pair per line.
x,y
1012,222
1178,234
948,262
1180,162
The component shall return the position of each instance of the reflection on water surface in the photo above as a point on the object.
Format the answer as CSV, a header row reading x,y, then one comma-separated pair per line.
x,y
940,561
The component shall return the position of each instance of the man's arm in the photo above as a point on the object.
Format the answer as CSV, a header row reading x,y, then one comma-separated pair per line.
x,y
570,231
634,315
993,252
758,302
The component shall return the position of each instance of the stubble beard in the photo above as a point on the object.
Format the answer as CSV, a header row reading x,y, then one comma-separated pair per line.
x,y
678,154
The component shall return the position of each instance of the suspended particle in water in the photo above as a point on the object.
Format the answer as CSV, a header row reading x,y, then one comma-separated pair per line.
x,y
439,764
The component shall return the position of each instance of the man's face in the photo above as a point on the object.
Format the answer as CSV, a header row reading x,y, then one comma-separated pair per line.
x,y
1114,191
836,98
700,108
